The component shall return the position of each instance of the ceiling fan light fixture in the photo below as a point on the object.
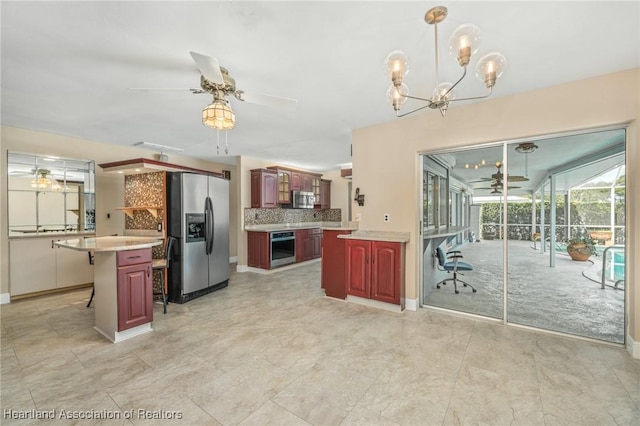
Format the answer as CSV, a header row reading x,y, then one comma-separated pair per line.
x,y
218,115
41,181
526,147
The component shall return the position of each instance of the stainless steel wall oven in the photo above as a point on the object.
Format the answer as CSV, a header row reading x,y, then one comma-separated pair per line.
x,y
283,248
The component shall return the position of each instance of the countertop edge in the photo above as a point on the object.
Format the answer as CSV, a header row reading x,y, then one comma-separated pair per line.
x,y
136,243
392,237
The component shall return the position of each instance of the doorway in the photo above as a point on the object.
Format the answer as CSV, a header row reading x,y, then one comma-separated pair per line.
x,y
513,209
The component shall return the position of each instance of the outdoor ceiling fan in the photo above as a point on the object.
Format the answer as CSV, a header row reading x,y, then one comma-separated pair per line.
x,y
499,176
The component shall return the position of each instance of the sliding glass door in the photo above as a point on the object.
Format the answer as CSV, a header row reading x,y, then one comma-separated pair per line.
x,y
514,211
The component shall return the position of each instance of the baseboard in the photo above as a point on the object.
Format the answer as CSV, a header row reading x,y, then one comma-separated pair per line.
x,y
233,259
633,348
374,303
5,298
411,304
242,268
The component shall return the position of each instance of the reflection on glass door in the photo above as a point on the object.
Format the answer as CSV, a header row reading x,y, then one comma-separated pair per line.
x,y
480,264
545,203
576,203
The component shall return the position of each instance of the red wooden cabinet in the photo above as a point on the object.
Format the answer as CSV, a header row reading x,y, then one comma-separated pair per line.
x,y
258,248
308,244
135,288
357,268
264,188
375,270
296,181
333,263
325,194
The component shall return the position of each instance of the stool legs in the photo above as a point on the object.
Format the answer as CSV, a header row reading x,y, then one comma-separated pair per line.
x,y
164,296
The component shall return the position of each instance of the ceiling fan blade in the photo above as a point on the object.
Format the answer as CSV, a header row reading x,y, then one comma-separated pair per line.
x,y
163,89
269,100
481,180
208,67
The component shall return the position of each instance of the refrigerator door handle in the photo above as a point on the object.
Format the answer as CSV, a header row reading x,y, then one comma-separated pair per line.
x,y
208,209
206,226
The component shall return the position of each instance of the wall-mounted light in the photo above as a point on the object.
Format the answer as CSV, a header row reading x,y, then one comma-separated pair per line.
x,y
359,197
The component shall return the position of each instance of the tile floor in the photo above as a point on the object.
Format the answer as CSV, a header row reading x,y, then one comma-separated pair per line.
x,y
270,349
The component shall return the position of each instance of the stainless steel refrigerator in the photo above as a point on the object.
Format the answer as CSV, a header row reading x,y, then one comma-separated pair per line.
x,y
198,217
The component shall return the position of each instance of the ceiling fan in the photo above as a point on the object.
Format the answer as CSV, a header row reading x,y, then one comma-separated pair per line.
x,y
216,80
499,176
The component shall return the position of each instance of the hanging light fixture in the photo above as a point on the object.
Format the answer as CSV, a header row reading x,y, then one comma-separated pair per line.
x,y
41,182
463,43
219,115
526,148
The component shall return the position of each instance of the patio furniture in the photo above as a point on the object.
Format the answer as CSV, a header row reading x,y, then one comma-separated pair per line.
x,y
454,266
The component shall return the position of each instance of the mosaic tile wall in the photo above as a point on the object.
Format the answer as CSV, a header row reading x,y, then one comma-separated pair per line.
x,y
145,189
269,216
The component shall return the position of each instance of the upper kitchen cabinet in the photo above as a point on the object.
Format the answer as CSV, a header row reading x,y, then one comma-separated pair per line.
x,y
325,194
264,188
284,186
49,194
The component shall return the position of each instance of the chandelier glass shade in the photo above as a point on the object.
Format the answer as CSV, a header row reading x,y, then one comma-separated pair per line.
x,y
218,115
463,44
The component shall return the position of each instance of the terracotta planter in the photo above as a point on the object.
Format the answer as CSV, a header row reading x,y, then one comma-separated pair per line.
x,y
579,251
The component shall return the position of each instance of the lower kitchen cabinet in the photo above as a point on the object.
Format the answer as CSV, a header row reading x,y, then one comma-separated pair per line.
x,y
36,264
258,248
308,244
333,261
135,288
375,270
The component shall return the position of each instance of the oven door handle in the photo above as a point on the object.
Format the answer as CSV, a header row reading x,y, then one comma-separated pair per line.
x,y
275,240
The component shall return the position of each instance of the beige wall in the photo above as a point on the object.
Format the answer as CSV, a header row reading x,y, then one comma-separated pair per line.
x,y
109,186
386,169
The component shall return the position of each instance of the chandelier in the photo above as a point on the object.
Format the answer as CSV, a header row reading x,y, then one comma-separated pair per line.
x,y
218,115
463,43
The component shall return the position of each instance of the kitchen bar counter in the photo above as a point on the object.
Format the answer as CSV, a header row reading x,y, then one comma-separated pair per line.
x,y
100,244
122,283
389,236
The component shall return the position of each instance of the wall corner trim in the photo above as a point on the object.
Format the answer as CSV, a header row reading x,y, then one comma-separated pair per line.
x,y
633,348
411,304
242,268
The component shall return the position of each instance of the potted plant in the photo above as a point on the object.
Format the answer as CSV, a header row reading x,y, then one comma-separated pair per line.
x,y
489,232
581,248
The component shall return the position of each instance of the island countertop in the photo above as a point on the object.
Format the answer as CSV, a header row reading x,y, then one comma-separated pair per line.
x,y
389,236
110,243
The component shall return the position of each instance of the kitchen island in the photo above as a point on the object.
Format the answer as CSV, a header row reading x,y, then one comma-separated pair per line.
x,y
122,281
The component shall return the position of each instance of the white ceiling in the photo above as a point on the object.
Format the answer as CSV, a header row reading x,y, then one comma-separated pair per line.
x,y
68,67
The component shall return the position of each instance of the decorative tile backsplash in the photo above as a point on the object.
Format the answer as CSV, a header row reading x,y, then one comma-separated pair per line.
x,y
269,216
146,189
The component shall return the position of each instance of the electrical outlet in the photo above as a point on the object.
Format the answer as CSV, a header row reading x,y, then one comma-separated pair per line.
x,y
386,217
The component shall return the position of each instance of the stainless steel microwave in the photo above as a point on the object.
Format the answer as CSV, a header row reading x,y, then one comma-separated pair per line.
x,y
302,199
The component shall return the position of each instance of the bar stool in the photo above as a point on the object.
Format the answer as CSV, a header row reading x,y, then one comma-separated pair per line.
x,y
162,265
